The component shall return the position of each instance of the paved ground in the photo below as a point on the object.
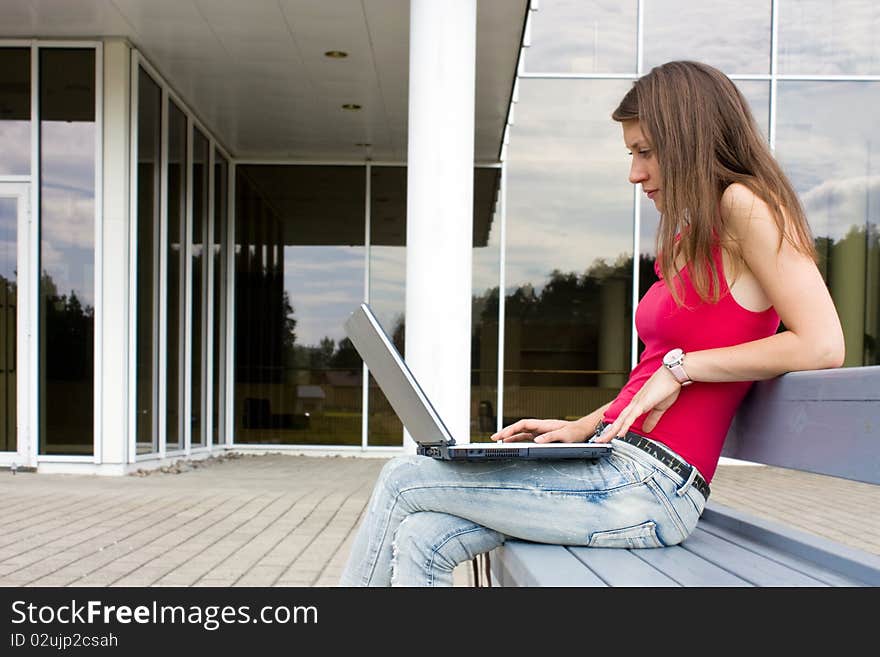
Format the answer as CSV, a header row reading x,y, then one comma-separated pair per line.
x,y
281,520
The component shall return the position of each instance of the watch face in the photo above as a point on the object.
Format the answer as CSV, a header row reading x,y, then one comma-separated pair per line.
x,y
672,356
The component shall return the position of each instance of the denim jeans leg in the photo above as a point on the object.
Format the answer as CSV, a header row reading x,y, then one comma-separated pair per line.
x,y
613,501
429,545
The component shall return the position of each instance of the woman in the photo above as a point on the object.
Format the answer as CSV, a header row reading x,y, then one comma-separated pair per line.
x,y
735,256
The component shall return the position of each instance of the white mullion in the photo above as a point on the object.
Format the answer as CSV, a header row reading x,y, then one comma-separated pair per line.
x,y
33,271
828,78
502,286
547,75
637,206
163,279
134,222
365,388
774,71
223,377
755,77
156,398
23,219
640,37
208,254
228,429
637,247
186,272
98,317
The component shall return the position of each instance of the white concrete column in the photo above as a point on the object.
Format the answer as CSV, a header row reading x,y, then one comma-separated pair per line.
x,y
114,323
439,234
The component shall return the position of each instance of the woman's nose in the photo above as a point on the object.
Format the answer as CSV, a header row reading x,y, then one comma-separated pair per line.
x,y
636,173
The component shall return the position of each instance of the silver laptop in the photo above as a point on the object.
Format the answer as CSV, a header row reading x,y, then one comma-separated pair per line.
x,y
412,406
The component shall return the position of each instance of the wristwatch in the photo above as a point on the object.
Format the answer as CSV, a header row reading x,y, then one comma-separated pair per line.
x,y
673,361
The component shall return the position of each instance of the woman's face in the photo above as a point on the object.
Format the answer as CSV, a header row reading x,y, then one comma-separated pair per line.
x,y
645,168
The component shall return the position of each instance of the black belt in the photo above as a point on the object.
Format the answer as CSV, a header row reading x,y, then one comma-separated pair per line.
x,y
665,457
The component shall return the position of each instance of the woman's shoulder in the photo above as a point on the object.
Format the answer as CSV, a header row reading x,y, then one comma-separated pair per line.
x,y
737,200
743,210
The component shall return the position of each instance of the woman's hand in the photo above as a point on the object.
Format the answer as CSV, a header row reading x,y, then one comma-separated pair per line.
x,y
548,431
657,395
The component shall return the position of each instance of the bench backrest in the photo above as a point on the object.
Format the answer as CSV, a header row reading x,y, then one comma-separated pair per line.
x,y
823,421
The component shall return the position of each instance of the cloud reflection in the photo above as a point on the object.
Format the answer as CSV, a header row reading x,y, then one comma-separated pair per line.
x,y
583,37
834,37
569,202
731,35
15,145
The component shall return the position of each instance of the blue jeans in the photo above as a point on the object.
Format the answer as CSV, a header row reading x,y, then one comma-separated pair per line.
x,y
426,516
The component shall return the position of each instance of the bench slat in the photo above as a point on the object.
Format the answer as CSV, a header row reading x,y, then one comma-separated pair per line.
x,y
518,563
803,565
620,567
689,569
751,567
841,384
825,421
830,555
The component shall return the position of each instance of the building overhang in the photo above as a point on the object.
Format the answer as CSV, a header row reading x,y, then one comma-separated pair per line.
x,y
256,72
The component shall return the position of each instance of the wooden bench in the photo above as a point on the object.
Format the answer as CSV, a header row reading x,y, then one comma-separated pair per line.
x,y
826,422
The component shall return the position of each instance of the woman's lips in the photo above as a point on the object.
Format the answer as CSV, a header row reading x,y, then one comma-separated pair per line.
x,y
652,193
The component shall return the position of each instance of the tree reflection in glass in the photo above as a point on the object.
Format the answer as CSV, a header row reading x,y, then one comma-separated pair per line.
x,y
299,249
827,141
67,250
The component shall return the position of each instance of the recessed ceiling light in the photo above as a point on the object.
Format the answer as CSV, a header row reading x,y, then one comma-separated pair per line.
x,y
336,54
351,106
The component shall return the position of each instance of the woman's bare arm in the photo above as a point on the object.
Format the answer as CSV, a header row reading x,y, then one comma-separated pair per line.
x,y
814,337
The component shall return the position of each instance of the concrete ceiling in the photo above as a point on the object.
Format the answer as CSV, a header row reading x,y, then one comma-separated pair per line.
x,y
255,73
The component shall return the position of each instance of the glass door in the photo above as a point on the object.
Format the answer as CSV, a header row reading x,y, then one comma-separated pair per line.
x,y
16,445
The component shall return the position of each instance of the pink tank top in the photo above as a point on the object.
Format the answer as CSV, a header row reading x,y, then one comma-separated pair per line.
x,y
696,424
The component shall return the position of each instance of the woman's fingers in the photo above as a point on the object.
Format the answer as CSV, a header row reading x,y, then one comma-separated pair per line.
x,y
529,426
519,437
613,429
564,435
652,419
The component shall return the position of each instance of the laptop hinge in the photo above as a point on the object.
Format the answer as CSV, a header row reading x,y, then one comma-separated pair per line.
x,y
438,449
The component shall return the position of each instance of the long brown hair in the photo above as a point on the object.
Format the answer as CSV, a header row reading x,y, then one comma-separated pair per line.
x,y
701,129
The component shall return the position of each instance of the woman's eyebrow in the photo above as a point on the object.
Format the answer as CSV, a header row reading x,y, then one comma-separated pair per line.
x,y
636,144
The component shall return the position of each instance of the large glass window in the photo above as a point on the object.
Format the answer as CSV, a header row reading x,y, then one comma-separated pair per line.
x,y
299,272
834,164
387,288
573,36
15,111
175,290
218,326
8,324
388,294
67,250
733,36
484,310
149,177
199,370
836,37
568,305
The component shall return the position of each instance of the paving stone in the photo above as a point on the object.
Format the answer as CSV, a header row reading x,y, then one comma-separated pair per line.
x,y
290,521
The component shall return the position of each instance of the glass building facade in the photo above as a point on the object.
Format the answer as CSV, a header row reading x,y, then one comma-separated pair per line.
x,y
312,242
811,74
243,271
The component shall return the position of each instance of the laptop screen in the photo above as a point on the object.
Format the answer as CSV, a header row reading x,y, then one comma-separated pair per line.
x,y
394,377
